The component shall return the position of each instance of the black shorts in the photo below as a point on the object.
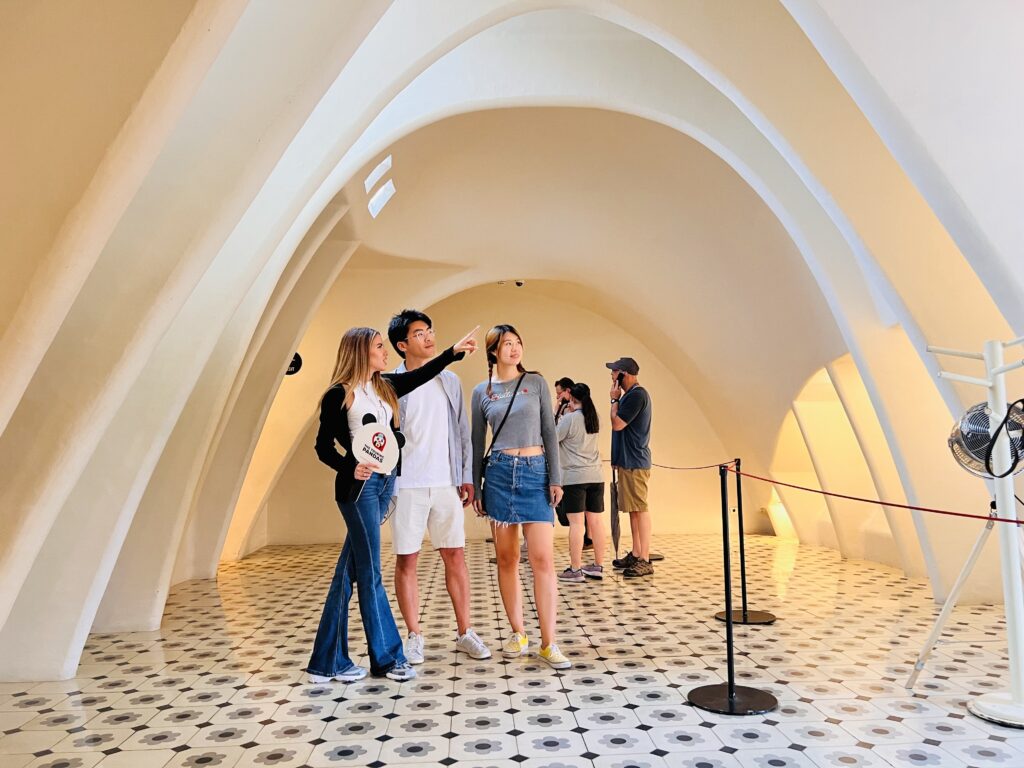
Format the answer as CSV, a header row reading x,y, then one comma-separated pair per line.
x,y
585,497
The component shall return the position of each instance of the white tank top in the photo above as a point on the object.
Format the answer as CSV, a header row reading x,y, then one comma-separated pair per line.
x,y
367,401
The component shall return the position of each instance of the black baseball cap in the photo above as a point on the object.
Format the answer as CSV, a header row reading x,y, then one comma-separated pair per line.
x,y
624,364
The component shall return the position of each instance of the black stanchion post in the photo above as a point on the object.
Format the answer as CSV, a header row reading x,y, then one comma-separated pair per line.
x,y
730,699
743,616
730,659
743,535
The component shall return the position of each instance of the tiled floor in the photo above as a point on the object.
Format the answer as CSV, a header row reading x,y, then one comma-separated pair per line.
x,y
220,684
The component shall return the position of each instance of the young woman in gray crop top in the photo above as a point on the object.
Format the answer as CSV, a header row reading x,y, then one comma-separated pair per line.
x,y
520,484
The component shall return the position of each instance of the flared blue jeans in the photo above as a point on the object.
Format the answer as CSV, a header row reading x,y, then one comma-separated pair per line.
x,y
360,563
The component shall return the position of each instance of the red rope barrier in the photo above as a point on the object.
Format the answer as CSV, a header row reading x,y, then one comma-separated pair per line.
x,y
706,466
731,466
729,463
933,511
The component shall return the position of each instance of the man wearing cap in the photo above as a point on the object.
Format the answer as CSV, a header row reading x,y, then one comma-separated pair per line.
x,y
631,458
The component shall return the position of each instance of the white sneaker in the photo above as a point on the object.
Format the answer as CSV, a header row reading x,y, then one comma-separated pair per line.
x,y
414,648
348,676
351,675
471,644
401,672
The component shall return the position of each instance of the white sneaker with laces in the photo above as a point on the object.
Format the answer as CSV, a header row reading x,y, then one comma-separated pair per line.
x,y
352,675
471,644
414,648
401,672
348,676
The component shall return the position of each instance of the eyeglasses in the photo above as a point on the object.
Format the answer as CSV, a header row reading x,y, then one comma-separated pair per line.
x,y
421,335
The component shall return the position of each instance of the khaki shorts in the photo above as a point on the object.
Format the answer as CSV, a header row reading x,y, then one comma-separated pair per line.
x,y
633,489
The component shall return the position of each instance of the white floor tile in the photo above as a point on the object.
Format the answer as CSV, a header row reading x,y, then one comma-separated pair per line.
x,y
221,683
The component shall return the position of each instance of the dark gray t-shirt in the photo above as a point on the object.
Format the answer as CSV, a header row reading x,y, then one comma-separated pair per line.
x,y
631,447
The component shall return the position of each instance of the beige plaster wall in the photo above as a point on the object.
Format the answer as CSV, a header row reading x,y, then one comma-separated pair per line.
x,y
862,530
863,419
72,73
935,82
791,463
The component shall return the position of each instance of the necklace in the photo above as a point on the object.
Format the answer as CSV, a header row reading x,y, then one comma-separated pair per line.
x,y
380,410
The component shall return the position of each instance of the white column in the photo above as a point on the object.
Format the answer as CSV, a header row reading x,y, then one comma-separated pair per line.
x,y
1005,707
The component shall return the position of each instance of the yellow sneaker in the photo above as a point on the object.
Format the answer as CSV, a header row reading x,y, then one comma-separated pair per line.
x,y
515,646
554,657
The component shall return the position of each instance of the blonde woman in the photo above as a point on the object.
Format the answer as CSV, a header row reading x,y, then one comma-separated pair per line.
x,y
359,393
521,484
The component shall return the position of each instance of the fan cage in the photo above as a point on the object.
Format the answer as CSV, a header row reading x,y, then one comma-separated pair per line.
x,y
970,438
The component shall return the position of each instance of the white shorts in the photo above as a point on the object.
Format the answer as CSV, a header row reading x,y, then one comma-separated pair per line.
x,y
438,510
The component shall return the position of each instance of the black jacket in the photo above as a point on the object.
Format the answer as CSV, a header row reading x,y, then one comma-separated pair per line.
x,y
334,422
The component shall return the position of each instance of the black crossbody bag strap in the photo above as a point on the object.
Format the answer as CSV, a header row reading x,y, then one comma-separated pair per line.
x,y
494,437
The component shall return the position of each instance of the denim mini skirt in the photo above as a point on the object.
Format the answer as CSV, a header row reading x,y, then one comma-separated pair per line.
x,y
516,490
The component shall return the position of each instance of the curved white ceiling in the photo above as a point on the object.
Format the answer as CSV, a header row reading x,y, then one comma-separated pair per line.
x,y
655,230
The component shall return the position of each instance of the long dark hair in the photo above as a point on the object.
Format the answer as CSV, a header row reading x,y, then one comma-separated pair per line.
x,y
581,393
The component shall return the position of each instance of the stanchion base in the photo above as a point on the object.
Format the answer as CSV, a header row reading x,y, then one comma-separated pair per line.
x,y
997,708
751,617
747,701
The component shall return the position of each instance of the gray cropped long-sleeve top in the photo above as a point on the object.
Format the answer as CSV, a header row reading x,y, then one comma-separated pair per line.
x,y
529,423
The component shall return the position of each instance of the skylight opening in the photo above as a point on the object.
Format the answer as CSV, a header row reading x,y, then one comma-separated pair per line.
x,y
380,198
377,173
